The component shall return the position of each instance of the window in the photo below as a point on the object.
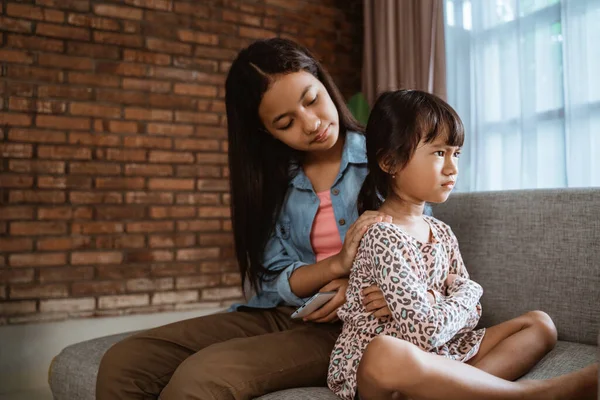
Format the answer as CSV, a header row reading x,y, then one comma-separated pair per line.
x,y
524,77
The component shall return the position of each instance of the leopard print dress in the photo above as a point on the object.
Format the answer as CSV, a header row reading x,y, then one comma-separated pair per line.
x,y
405,269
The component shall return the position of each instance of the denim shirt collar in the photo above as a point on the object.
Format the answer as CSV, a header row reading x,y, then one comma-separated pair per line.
x,y
354,153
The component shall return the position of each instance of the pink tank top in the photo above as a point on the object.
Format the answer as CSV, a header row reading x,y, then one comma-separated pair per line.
x,y
325,237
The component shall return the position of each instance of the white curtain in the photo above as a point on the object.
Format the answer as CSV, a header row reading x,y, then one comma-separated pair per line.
x,y
524,75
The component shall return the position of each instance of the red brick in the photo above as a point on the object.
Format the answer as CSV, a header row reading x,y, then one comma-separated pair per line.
x,y
170,129
36,136
64,243
97,257
172,212
213,184
120,12
37,228
15,181
126,69
69,305
147,85
95,110
94,168
201,225
93,79
175,297
66,62
118,39
198,171
120,183
95,197
124,301
34,73
39,106
37,260
197,198
211,158
198,282
148,198
93,22
172,240
64,152
9,245
94,139
96,51
68,123
169,47
197,144
120,213
64,92
222,293
165,5
150,226
17,307
177,269
212,132
16,275
186,35
146,57
214,212
148,256
75,5
122,97
196,117
97,287
122,127
217,53
15,150
15,56
37,291
64,182
15,25
172,73
240,18
35,43
121,242
193,8
16,212
35,13
197,64
149,115
150,142
63,32
231,279
255,33
197,254
195,90
171,157
31,196
172,184
148,284
125,155
37,166
14,88
148,170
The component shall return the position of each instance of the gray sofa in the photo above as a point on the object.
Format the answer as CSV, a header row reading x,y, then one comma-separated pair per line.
x,y
530,250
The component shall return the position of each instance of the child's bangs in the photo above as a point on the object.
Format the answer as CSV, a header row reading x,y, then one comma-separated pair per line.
x,y
438,120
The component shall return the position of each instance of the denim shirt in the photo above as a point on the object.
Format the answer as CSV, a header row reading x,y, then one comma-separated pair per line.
x,y
289,247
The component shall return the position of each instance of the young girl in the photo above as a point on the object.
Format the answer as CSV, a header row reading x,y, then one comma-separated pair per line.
x,y
413,142
297,161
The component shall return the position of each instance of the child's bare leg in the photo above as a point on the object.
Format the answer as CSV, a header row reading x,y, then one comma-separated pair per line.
x,y
392,365
512,348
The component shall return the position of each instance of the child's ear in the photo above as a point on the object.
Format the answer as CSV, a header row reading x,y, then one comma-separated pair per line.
x,y
387,165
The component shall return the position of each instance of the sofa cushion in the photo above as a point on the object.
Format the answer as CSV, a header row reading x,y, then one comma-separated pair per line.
x,y
73,372
532,250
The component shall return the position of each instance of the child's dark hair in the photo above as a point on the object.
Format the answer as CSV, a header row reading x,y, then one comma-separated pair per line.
x,y
398,122
259,164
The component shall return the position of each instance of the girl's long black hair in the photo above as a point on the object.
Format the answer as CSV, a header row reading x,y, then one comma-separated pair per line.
x,y
259,165
397,123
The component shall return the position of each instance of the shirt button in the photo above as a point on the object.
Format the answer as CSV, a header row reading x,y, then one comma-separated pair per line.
x,y
342,221
335,192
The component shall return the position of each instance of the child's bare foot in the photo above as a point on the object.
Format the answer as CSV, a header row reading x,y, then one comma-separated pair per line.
x,y
578,385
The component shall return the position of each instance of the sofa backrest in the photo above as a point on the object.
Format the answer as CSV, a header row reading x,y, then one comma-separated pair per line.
x,y
533,250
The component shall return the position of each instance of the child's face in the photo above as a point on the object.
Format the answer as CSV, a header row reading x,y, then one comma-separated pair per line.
x,y
298,111
430,174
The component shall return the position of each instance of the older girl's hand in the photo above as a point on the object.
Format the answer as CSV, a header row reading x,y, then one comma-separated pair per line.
x,y
328,313
353,237
374,302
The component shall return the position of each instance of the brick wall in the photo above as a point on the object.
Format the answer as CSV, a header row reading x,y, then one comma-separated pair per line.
x,y
113,175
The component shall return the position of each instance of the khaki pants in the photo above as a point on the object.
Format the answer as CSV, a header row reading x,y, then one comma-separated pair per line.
x,y
236,355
